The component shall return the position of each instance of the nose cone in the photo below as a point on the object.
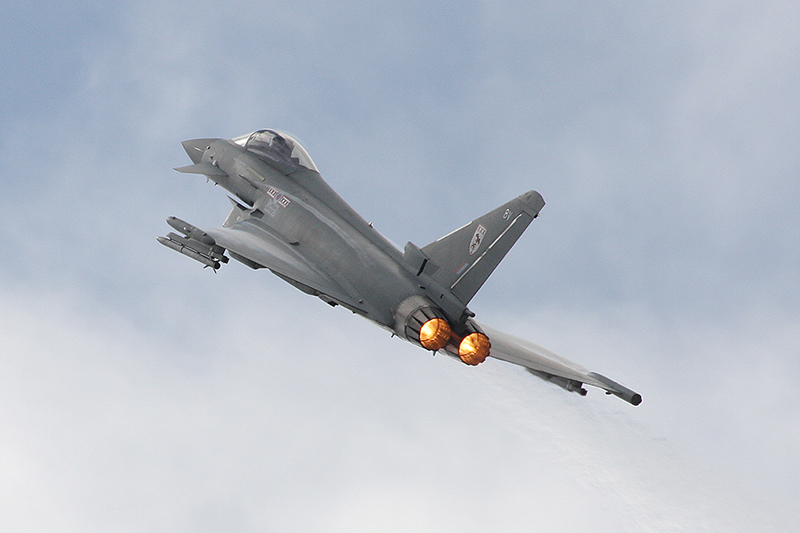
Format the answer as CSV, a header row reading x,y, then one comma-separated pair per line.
x,y
196,148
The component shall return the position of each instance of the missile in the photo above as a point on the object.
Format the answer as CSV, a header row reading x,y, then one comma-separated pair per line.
x,y
570,385
215,252
188,252
191,231
196,243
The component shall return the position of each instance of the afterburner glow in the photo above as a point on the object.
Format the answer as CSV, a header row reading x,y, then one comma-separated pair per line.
x,y
434,334
474,348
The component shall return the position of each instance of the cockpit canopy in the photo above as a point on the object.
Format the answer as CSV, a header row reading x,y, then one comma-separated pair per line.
x,y
276,146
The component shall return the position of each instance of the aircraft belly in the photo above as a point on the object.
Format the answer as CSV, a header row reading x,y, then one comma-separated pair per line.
x,y
382,283
269,251
329,240
349,258
354,261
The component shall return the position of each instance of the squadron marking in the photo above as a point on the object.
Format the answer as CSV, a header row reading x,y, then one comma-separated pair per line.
x,y
477,239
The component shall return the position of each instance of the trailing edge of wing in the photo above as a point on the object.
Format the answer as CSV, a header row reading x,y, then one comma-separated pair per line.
x,y
547,365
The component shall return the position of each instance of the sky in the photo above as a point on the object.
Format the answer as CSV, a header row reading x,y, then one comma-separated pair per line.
x,y
140,392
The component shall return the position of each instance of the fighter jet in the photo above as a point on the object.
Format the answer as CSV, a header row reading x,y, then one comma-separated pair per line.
x,y
286,219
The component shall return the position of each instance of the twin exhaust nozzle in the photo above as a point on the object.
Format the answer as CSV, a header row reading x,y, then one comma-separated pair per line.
x,y
427,326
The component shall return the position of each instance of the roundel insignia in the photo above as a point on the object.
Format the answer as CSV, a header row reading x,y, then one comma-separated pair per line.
x,y
477,239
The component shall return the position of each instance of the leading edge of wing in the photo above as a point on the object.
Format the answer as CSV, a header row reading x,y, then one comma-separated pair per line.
x,y
547,365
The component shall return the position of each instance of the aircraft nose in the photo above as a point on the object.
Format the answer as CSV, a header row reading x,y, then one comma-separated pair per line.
x,y
196,148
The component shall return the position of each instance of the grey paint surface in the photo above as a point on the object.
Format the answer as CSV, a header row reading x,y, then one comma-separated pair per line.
x,y
287,219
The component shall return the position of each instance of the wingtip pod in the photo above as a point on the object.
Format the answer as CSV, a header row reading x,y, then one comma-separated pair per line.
x,y
620,391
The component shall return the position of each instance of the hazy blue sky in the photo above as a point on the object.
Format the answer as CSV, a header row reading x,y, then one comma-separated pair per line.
x,y
139,392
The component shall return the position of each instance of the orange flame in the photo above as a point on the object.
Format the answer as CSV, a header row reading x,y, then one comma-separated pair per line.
x,y
434,334
474,348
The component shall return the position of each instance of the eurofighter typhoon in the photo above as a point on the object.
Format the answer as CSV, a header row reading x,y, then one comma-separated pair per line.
x,y
288,220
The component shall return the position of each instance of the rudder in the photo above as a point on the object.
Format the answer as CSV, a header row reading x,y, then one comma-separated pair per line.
x,y
466,257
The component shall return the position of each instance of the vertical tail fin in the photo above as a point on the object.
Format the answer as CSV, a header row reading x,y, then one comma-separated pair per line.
x,y
466,257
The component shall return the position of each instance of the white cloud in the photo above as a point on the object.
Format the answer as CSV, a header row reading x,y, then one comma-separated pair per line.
x,y
248,424
141,393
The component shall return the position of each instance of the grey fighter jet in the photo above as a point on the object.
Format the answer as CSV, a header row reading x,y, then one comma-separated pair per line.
x,y
287,219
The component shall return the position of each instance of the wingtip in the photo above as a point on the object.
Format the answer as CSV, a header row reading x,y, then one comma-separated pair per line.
x,y
618,390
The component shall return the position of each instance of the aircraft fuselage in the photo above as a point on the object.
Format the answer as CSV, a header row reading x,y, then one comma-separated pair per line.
x,y
287,219
359,259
